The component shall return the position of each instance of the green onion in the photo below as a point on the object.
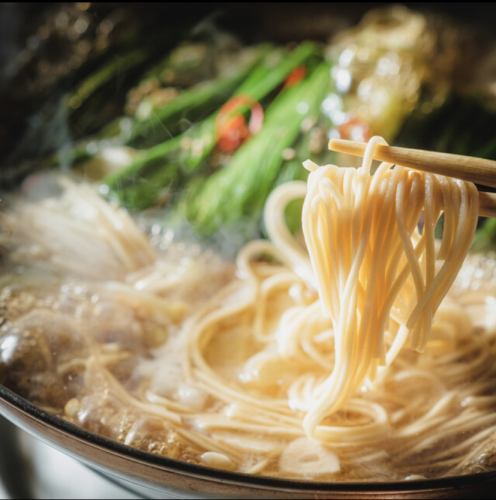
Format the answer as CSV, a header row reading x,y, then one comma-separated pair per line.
x,y
239,191
137,185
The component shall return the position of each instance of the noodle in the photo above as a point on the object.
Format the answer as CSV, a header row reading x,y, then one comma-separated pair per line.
x,y
354,356
380,280
372,283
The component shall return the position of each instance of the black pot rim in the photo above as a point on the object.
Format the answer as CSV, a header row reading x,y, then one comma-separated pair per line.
x,y
208,473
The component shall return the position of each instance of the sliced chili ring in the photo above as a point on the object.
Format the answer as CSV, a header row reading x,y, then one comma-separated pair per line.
x,y
231,126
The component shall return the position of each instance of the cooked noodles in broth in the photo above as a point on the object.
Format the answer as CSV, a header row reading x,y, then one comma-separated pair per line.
x,y
362,349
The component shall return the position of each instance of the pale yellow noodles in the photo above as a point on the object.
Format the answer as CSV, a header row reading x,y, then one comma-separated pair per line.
x,y
380,279
334,358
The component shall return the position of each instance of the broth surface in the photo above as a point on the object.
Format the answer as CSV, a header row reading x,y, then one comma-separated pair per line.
x,y
110,350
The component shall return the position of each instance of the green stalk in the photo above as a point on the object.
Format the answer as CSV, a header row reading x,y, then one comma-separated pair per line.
x,y
193,104
146,180
239,191
185,154
485,237
88,105
292,170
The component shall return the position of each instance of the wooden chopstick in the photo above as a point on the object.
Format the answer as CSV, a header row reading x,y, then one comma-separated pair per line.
x,y
487,204
468,168
477,170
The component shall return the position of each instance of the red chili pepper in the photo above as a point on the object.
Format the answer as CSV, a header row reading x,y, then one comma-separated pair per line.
x,y
353,126
232,129
295,76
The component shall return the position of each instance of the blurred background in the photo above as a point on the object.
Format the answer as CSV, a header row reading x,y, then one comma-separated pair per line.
x,y
164,105
49,50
